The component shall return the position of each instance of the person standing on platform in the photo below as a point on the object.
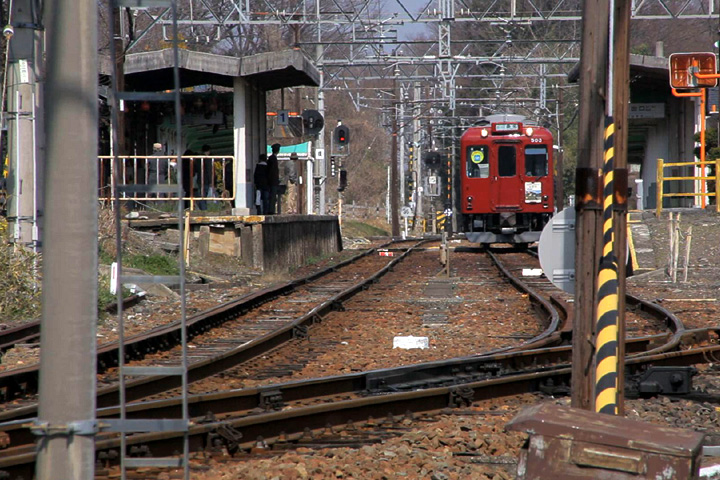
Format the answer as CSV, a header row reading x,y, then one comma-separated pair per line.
x,y
262,186
207,177
274,179
188,176
157,168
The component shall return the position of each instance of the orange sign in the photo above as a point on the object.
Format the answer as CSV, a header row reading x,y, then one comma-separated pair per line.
x,y
684,66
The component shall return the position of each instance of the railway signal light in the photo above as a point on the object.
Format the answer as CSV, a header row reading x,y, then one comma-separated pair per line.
x,y
342,135
313,122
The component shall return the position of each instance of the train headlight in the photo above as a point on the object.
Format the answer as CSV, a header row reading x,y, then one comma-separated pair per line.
x,y
529,131
484,132
469,202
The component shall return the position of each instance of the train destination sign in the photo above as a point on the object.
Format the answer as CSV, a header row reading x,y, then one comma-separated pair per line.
x,y
507,127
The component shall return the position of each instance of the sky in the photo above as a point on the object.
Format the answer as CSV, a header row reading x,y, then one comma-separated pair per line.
x,y
409,30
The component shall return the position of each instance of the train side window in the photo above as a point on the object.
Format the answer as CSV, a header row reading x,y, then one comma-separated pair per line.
x,y
477,165
507,161
536,161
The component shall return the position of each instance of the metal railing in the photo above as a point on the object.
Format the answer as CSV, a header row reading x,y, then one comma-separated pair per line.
x,y
661,179
212,177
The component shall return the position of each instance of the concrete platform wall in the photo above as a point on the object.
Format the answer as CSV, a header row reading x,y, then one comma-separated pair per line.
x,y
273,243
281,243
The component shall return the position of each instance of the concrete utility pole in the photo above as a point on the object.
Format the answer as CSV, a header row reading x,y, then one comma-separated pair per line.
x,y
394,186
559,158
588,188
26,146
320,164
66,415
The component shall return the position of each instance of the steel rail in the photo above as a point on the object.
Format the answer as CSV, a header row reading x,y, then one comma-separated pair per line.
x,y
674,324
292,424
30,331
426,375
204,321
24,380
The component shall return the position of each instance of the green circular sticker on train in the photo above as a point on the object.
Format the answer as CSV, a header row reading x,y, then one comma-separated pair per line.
x,y
477,156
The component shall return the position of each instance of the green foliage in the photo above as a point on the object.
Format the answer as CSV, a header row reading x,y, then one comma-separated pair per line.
x,y
642,49
153,264
352,228
712,149
105,258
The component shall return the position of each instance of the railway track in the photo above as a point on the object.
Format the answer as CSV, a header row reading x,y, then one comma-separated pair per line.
x,y
275,324
242,419
326,289
454,375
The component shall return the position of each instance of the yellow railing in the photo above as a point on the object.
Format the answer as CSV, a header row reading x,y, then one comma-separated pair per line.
x,y
212,177
661,179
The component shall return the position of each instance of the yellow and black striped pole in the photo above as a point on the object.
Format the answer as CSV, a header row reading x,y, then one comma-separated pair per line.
x,y
606,344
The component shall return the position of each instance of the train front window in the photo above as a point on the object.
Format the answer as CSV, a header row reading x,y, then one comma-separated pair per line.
x,y
536,161
506,161
477,165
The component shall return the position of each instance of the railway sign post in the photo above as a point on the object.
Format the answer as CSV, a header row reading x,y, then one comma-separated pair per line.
x,y
405,212
557,250
684,66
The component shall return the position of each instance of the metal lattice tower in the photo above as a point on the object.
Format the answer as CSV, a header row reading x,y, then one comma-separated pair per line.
x,y
123,425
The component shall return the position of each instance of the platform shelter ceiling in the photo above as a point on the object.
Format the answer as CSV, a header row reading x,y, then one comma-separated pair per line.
x,y
153,71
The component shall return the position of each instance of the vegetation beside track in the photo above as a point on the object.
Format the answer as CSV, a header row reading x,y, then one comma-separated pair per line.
x,y
356,228
20,290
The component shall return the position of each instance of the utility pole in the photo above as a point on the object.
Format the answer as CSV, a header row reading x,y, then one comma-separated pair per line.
x,y
320,165
26,146
559,160
119,45
621,101
66,422
401,148
394,190
588,247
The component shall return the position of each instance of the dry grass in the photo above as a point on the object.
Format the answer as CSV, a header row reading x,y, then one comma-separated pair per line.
x,y
20,282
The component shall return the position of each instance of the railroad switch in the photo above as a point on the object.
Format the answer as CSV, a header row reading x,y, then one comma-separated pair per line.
x,y
549,388
271,400
300,331
656,380
461,396
224,435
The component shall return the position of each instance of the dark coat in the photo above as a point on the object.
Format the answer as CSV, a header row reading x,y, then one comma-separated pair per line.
x,y
273,171
260,177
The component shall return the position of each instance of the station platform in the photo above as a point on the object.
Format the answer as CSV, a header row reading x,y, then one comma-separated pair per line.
x,y
268,243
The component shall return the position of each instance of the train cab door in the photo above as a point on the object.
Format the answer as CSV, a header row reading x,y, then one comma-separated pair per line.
x,y
505,185
477,173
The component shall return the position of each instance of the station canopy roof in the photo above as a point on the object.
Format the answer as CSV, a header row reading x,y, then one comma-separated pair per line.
x,y
153,71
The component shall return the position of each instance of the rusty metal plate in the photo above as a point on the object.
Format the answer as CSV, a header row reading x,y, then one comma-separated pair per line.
x,y
572,443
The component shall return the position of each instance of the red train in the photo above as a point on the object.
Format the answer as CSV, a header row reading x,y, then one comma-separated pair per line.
x,y
506,180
